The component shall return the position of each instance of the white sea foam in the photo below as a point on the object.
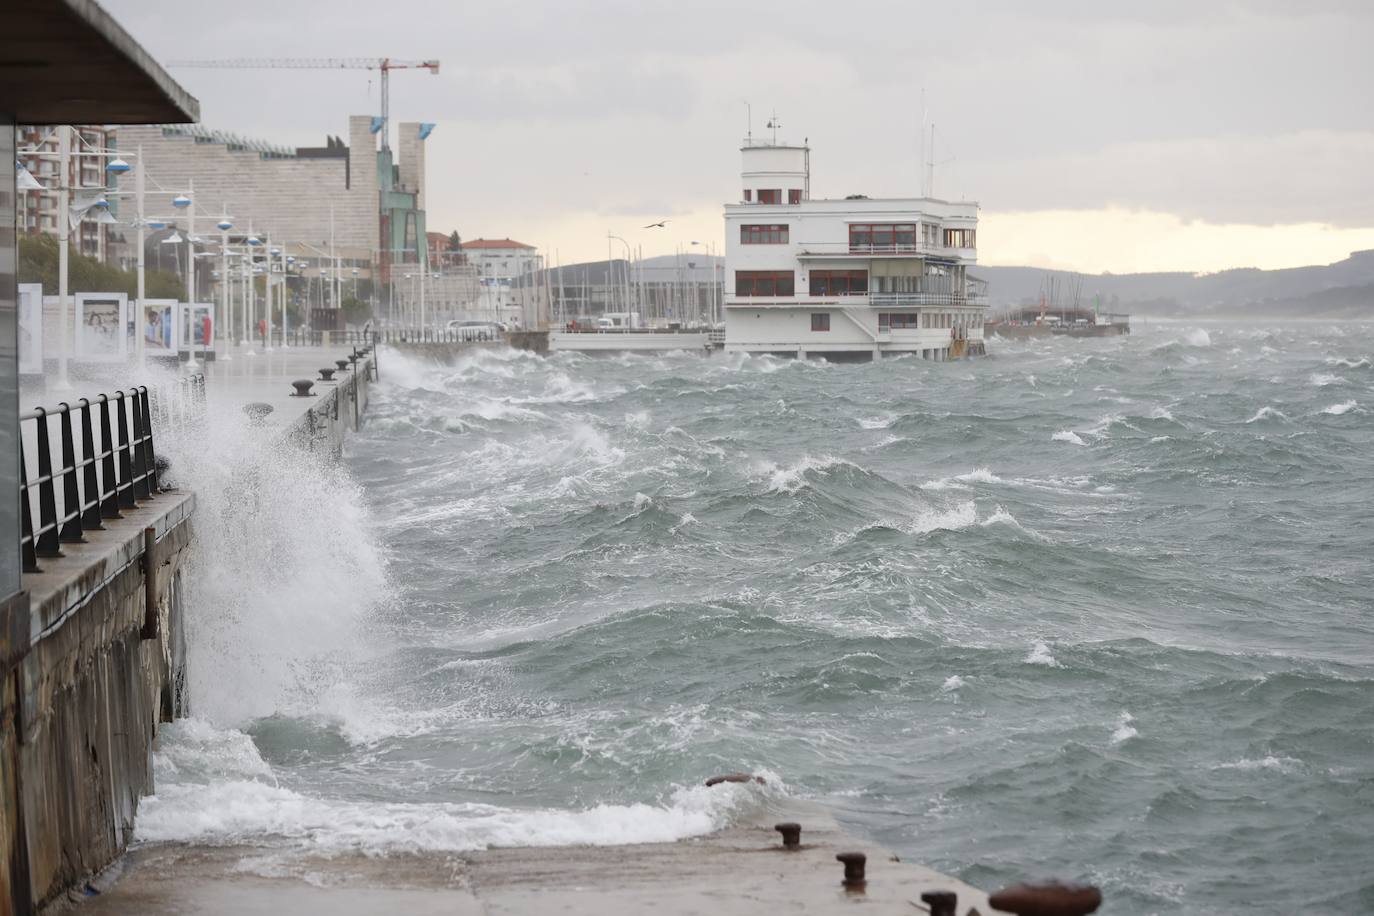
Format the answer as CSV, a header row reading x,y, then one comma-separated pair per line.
x,y
1323,379
882,422
1361,363
1161,413
961,481
1124,729
1336,410
955,518
214,788
1068,435
282,576
1267,762
792,479
642,501
952,684
1267,413
1040,655
1197,337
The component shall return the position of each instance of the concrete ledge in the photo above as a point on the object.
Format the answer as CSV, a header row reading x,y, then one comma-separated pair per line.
x,y
106,664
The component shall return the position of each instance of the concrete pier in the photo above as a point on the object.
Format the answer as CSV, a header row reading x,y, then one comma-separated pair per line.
x,y
319,420
743,869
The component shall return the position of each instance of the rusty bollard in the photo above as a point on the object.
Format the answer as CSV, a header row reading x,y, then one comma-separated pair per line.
x,y
1051,898
791,835
941,903
853,868
327,374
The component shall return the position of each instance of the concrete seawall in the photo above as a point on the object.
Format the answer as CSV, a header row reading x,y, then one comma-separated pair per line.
x,y
93,655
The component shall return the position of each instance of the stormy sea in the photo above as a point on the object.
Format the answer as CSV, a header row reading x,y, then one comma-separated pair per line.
x,y
1094,609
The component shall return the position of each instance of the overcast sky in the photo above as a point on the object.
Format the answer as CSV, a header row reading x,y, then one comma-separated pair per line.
x,y
1095,135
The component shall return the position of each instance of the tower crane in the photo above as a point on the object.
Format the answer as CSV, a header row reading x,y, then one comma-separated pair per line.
x,y
383,64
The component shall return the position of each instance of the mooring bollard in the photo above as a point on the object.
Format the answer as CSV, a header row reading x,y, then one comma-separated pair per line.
x,y
853,868
257,412
941,903
302,386
1051,898
342,364
791,834
327,375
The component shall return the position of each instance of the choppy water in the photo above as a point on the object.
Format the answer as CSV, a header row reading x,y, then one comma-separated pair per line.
x,y
1095,609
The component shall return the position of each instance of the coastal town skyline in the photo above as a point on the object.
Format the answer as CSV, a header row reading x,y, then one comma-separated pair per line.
x,y
1186,150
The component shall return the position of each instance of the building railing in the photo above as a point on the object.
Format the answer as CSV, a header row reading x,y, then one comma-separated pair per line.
x,y
580,329
363,337
953,298
103,462
914,249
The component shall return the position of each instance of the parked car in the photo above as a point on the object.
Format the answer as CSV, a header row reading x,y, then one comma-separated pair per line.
x,y
476,330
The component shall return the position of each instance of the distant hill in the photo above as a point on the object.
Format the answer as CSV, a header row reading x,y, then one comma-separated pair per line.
x,y
1341,290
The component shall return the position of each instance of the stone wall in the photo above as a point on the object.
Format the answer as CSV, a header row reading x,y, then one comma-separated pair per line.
x,y
99,667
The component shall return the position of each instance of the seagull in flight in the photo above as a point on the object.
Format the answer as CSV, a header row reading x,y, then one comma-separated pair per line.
x,y
661,224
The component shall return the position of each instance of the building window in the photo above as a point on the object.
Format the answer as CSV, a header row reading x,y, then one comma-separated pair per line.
x,y
770,195
960,238
882,237
764,283
820,321
884,322
839,282
794,195
748,195
898,321
763,235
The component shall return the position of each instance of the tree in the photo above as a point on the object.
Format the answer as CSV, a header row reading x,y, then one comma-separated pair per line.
x,y
38,258
454,242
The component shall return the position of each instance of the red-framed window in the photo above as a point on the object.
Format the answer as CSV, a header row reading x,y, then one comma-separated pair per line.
x,y
764,283
774,234
748,195
839,282
794,195
820,321
770,195
882,237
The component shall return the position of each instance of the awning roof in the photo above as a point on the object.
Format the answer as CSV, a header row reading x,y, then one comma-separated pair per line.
x,y
69,62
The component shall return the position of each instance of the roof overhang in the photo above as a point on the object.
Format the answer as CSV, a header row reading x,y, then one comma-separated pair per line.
x,y
69,62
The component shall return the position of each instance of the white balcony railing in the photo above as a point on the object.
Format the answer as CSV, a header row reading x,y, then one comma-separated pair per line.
x,y
847,249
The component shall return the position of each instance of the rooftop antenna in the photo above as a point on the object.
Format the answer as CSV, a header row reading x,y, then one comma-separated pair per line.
x,y
922,175
748,123
774,124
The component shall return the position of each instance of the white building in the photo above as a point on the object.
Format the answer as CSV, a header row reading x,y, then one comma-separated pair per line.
x,y
504,268
855,278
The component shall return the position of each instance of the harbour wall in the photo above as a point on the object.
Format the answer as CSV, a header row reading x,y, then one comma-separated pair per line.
x,y
93,658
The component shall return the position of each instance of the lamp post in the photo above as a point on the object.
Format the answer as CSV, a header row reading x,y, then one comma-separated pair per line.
x,y
224,225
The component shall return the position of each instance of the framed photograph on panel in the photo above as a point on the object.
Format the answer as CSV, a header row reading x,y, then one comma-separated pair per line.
x,y
161,323
100,323
30,328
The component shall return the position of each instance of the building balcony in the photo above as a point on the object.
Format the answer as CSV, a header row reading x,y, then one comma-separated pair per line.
x,y
813,250
971,297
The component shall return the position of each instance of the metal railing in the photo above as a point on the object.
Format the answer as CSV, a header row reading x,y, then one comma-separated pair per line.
x,y
834,249
363,337
104,462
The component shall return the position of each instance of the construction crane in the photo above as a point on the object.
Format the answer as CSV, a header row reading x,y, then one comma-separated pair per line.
x,y
384,64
